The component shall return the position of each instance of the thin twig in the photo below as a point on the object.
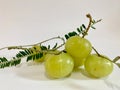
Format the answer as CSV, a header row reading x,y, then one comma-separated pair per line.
x,y
96,51
116,59
89,25
22,46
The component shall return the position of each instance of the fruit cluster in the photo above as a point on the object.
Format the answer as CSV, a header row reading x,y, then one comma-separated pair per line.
x,y
77,53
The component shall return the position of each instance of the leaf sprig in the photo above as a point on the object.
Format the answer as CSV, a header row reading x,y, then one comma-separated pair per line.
x,y
83,29
31,53
4,62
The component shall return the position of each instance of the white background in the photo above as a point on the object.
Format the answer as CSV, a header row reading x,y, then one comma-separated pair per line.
x,y
31,21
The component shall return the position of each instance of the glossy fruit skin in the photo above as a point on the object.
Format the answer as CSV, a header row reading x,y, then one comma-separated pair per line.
x,y
79,48
98,66
59,66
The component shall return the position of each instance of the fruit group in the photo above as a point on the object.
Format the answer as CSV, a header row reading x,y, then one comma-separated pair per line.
x,y
98,66
59,66
59,62
79,48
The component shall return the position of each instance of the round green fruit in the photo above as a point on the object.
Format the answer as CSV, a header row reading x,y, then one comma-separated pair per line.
x,y
98,66
79,48
59,66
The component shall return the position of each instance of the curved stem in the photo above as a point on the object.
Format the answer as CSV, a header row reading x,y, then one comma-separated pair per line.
x,y
100,54
90,22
